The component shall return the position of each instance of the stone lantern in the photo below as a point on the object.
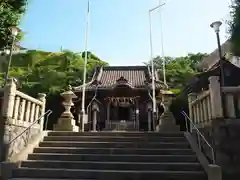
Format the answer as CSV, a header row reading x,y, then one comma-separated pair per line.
x,y
95,110
167,97
167,121
66,121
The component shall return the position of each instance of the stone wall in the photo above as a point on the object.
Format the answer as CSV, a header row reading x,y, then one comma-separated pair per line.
x,y
226,138
12,131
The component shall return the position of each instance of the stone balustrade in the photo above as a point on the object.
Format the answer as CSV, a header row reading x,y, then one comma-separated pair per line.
x,y
206,105
19,111
217,102
200,108
216,113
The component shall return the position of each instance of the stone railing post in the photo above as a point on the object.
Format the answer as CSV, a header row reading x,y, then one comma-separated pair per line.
x,y
191,98
214,172
215,97
42,97
7,115
9,99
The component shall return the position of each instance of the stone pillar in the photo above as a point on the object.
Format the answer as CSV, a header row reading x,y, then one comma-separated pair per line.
x,y
66,121
7,117
95,110
42,97
214,172
218,133
28,110
16,109
215,97
83,119
149,111
9,99
167,121
137,119
191,98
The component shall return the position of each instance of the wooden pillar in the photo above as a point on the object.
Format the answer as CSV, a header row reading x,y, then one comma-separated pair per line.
x,y
149,120
108,115
137,114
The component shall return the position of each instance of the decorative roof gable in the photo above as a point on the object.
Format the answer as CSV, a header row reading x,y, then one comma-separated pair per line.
x,y
133,76
122,80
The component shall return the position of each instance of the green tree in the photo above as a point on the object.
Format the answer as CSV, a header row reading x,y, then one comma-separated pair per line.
x,y
10,13
49,72
178,70
234,27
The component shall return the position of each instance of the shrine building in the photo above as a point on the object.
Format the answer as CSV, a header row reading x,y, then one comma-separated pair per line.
x,y
118,95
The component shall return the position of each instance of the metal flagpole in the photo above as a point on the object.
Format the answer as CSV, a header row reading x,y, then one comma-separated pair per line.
x,y
163,56
153,74
85,70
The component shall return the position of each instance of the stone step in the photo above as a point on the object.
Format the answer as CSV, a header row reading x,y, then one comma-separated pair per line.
x,y
107,174
122,134
146,166
113,158
44,179
133,151
92,144
115,139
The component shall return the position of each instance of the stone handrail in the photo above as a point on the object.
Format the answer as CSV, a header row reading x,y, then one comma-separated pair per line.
x,y
29,98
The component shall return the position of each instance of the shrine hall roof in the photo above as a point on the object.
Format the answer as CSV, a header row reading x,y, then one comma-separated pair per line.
x,y
106,77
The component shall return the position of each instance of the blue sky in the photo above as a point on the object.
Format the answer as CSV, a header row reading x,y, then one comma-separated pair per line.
x,y
119,29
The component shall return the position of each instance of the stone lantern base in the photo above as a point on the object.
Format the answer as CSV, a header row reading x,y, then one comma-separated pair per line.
x,y
66,123
167,123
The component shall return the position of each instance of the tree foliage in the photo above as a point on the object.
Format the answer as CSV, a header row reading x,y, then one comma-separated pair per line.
x,y
10,13
234,27
49,72
178,70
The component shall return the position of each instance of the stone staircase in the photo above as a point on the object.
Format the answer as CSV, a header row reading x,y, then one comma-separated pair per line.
x,y
121,126
112,156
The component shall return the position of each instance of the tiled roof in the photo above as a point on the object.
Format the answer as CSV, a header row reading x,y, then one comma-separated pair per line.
x,y
107,77
213,57
135,77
